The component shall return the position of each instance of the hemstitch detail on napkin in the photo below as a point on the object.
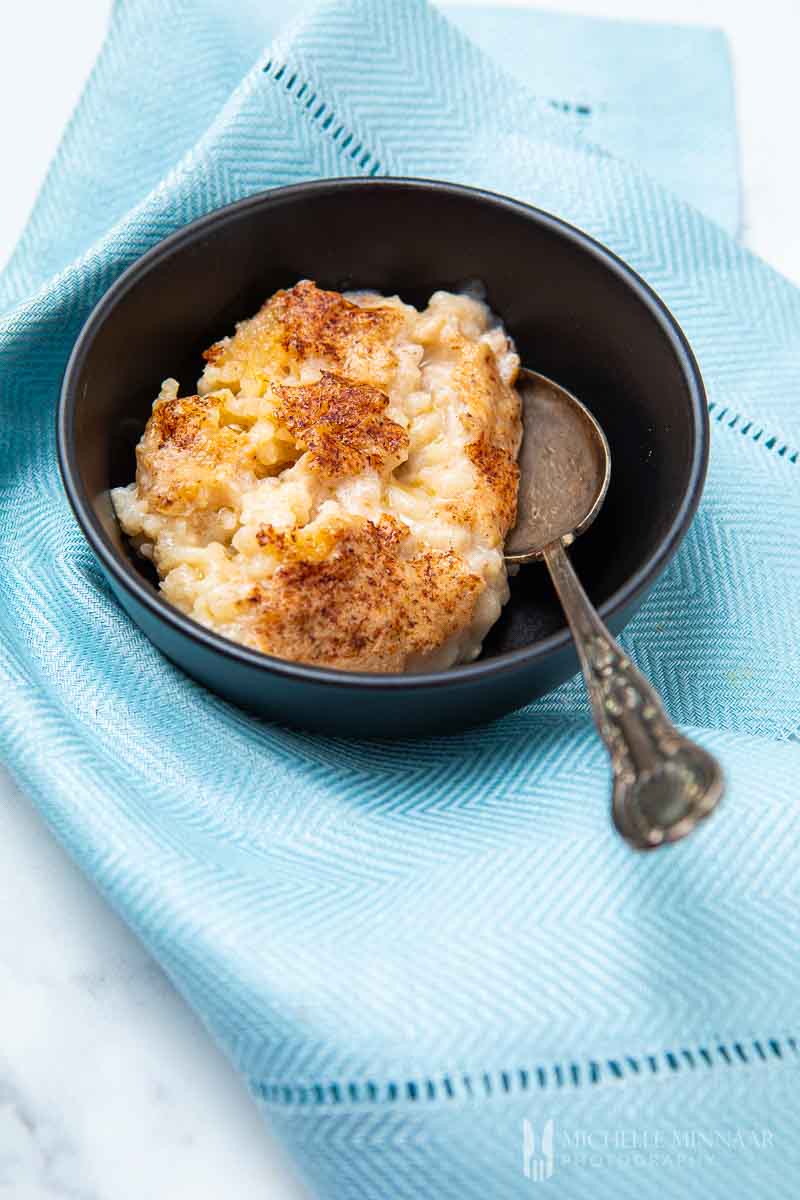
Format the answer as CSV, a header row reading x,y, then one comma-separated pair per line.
x,y
557,1076
321,113
757,433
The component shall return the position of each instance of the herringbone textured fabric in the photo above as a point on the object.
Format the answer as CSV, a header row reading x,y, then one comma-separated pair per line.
x,y
408,952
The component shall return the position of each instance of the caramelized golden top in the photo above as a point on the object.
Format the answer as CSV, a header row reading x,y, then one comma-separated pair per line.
x,y
339,490
188,461
343,425
308,324
354,601
498,481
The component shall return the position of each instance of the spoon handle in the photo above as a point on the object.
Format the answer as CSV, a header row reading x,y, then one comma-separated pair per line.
x,y
664,784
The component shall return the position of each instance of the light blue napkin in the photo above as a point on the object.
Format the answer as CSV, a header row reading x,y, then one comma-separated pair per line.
x,y
420,958
658,95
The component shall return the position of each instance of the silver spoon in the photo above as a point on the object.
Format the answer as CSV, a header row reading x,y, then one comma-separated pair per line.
x,y
664,784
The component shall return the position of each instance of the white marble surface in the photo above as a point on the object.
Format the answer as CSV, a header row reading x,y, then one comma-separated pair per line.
x,y
109,1087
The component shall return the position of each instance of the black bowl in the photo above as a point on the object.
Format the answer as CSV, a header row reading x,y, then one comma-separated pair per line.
x,y
577,313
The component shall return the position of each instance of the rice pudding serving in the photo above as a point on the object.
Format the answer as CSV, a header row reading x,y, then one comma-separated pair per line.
x,y
339,488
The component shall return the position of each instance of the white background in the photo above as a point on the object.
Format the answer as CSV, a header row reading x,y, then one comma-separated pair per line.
x,y
109,1089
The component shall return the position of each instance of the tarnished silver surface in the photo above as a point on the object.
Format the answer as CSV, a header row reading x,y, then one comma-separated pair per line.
x,y
664,783
565,467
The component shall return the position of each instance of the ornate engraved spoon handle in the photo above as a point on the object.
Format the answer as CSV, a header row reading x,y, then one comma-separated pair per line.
x,y
663,782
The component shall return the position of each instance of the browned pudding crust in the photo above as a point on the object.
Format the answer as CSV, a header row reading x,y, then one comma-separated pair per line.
x,y
498,483
384,540
189,461
492,424
306,323
352,598
343,425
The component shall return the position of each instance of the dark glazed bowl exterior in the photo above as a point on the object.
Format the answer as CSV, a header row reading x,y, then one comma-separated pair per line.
x,y
577,313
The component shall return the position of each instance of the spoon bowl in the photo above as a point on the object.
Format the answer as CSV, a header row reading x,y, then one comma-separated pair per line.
x,y
565,468
664,784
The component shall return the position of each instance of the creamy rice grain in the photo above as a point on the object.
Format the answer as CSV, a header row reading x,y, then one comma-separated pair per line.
x,y
338,490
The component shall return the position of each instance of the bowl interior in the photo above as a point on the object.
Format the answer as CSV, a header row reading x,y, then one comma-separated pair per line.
x,y
575,315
